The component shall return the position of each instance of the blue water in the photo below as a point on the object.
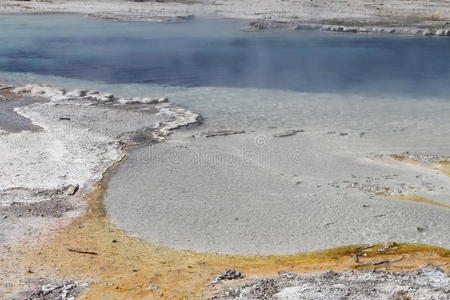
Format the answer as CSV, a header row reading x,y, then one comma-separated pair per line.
x,y
218,53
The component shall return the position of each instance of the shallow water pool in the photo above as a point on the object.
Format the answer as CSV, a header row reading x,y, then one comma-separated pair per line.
x,y
216,53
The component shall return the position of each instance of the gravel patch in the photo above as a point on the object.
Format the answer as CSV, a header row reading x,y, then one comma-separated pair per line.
x,y
428,282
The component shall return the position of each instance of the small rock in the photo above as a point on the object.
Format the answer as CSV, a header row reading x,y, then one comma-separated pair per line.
x,y
153,288
388,246
224,132
286,133
230,274
256,26
351,29
427,32
67,290
72,190
440,32
163,100
421,229
149,100
399,295
77,93
182,18
48,288
307,27
103,97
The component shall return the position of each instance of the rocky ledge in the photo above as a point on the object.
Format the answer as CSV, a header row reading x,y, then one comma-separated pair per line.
x,y
442,30
429,282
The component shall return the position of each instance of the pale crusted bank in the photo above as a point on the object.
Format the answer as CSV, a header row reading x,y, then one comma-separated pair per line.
x,y
410,17
81,133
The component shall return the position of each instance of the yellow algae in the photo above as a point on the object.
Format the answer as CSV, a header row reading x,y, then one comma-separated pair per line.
x,y
406,159
442,166
125,267
417,198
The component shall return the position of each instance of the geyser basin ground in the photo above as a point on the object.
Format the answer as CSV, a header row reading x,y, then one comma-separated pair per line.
x,y
254,192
